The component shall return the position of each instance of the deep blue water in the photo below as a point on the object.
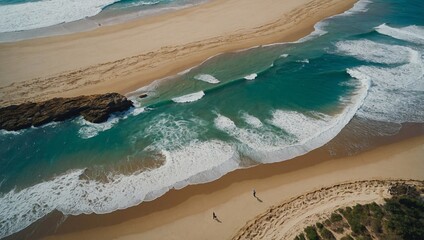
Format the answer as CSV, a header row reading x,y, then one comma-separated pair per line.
x,y
217,117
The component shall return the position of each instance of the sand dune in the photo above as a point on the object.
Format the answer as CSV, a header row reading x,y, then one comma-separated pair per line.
x,y
288,219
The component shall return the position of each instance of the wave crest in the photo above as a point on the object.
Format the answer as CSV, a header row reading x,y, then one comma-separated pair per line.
x,y
192,97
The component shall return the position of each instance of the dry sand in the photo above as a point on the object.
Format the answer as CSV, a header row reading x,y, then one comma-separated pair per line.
x,y
290,185
127,56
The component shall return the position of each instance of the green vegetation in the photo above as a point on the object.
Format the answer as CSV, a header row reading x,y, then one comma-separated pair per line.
x,y
311,233
347,237
335,217
326,234
406,217
300,237
401,217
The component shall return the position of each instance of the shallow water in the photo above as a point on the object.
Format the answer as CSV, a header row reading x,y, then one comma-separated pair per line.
x,y
262,105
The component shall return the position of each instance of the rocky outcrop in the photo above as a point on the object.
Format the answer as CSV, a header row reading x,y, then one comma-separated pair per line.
x,y
94,108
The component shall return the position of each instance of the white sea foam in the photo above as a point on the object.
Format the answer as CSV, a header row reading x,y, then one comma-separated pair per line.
x,y
374,52
397,92
207,78
251,76
5,132
284,55
298,124
396,95
300,133
319,30
197,162
37,14
256,140
358,7
192,97
251,120
412,33
89,129
137,109
170,132
143,3
303,61
320,128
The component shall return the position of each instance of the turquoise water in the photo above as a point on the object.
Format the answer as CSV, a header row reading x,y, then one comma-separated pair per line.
x,y
262,105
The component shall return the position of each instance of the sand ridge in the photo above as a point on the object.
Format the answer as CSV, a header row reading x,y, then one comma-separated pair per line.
x,y
287,220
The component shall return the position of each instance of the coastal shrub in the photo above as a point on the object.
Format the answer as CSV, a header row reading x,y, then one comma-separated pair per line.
x,y
327,222
300,237
375,226
311,233
327,234
355,217
402,189
406,217
335,217
347,237
364,238
376,211
400,218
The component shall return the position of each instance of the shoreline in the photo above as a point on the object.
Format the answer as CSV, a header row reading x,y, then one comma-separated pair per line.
x,y
311,168
124,57
230,196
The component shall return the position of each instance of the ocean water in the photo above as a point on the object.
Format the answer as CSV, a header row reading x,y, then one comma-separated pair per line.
x,y
19,15
262,105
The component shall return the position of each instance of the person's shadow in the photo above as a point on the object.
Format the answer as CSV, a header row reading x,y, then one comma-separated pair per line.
x,y
217,219
257,198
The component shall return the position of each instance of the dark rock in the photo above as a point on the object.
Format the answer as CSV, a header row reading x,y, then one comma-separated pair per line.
x,y
95,115
94,108
143,95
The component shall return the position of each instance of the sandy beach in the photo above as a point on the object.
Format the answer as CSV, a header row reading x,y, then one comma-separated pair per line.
x,y
127,56
308,188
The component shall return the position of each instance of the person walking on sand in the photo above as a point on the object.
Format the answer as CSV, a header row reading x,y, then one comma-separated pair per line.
x,y
214,216
254,193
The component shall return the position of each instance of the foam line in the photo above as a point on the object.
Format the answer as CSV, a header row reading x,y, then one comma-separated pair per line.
x,y
192,97
414,34
251,76
207,78
197,162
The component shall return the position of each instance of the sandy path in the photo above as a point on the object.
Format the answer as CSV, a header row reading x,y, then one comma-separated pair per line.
x,y
125,57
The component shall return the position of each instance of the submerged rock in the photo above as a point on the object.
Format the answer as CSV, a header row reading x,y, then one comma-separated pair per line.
x,y
94,108
143,95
